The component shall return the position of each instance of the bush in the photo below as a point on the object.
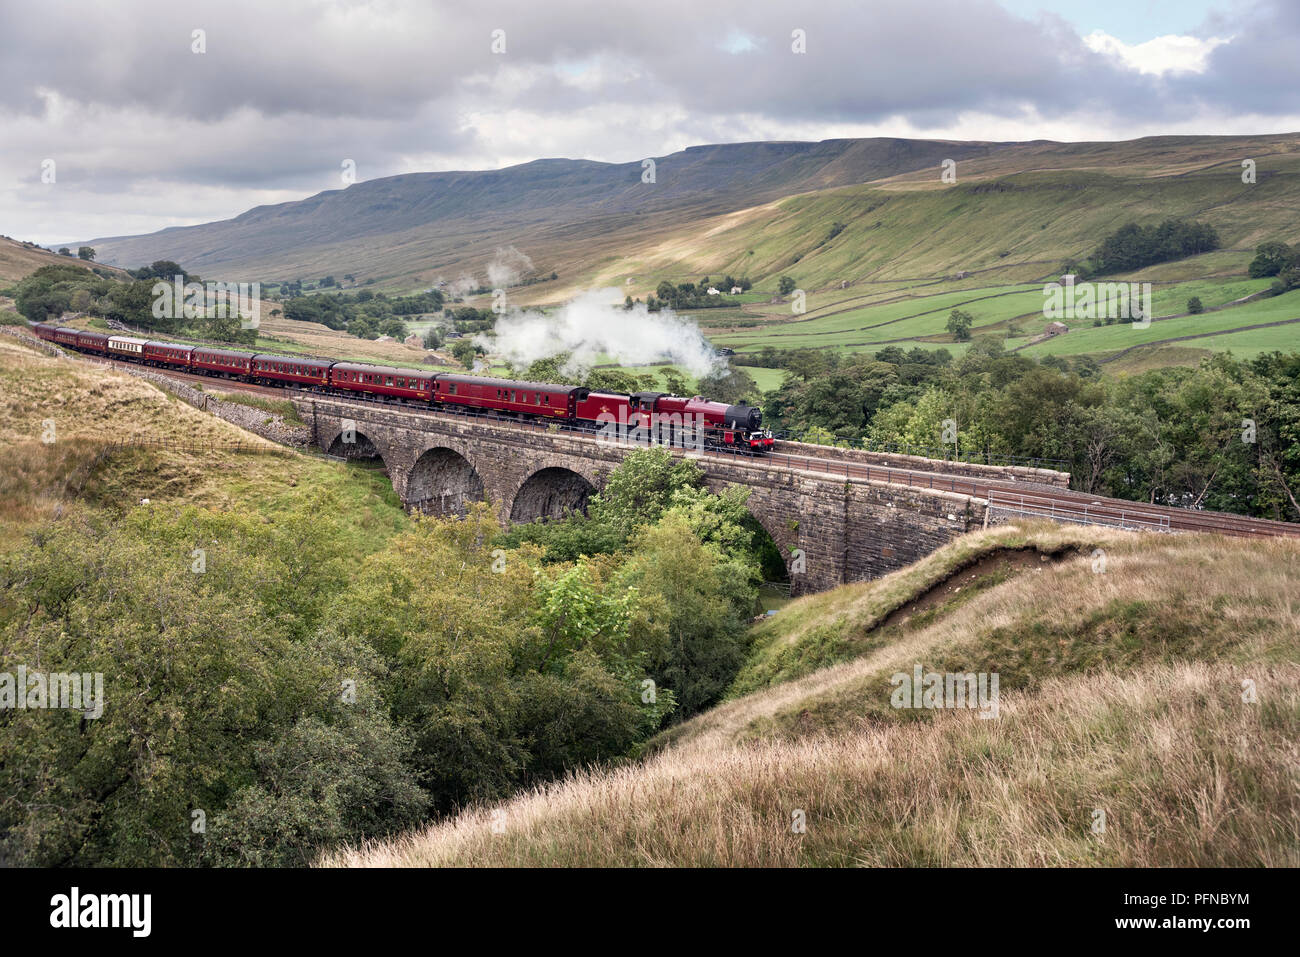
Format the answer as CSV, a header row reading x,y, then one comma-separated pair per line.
x,y
1271,258
1195,306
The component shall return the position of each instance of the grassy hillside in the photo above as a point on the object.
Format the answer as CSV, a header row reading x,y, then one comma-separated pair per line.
x,y
1121,691
90,406
758,209
412,228
1012,221
19,259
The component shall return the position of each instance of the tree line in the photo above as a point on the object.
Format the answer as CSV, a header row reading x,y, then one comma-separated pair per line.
x,y
51,291
1222,435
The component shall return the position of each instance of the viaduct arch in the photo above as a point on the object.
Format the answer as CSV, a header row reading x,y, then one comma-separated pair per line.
x,y
829,529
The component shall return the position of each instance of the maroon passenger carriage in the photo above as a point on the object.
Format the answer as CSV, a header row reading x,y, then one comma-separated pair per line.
x,y
404,384
509,396
223,362
96,342
272,370
168,355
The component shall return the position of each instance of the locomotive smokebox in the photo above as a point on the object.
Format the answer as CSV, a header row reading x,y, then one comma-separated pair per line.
x,y
744,417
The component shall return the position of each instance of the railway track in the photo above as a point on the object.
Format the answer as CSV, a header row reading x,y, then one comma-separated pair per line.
x,y
208,382
1015,499
1057,504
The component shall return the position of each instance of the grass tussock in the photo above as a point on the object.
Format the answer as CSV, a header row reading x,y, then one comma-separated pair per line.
x,y
824,629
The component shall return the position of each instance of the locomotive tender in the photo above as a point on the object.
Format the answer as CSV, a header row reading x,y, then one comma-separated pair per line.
x,y
732,426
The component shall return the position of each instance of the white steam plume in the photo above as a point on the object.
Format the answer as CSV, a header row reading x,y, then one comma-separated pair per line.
x,y
463,286
591,327
508,267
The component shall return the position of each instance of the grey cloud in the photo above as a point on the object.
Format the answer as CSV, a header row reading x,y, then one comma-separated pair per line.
x,y
289,89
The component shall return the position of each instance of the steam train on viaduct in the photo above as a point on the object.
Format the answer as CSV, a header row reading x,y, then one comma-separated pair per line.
x,y
738,427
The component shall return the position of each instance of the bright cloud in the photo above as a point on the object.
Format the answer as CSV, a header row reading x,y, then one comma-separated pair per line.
x,y
1158,56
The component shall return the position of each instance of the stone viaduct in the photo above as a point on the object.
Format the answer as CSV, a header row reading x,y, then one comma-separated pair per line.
x,y
830,529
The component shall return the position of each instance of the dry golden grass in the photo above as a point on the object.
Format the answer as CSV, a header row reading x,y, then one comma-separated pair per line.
x,y
91,406
93,402
1185,772
1252,586
17,260
1126,697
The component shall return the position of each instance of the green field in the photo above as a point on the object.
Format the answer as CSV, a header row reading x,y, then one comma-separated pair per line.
x,y
1090,339
921,318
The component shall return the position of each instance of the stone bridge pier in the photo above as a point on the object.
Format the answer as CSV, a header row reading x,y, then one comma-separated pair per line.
x,y
831,530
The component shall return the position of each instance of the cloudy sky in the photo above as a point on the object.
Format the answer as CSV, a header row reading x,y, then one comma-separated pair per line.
x,y
150,124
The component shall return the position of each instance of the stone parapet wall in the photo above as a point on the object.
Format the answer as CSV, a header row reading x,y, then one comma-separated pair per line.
x,y
917,463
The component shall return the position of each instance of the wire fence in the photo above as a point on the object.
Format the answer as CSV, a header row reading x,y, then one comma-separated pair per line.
x,y
246,448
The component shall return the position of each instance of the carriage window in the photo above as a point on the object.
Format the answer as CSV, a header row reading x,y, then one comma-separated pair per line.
x,y
388,380
451,388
